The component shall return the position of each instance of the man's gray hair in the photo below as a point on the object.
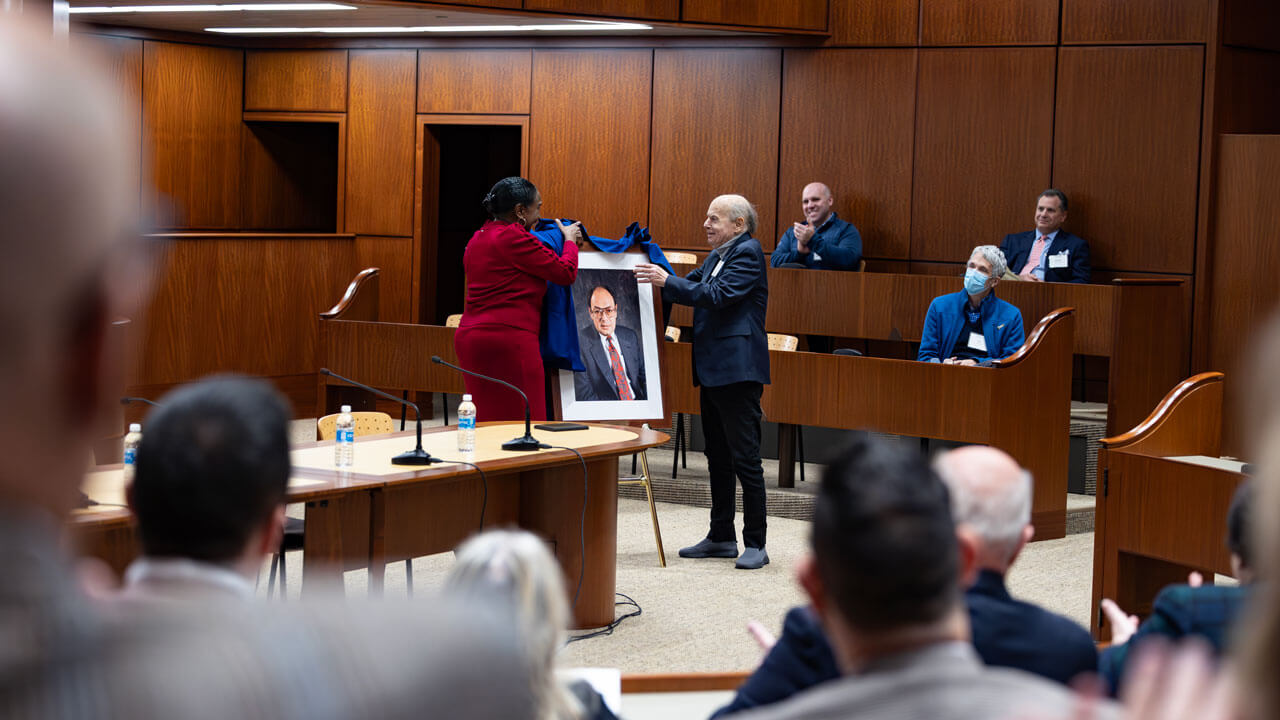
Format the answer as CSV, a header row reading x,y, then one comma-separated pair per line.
x,y
996,517
736,207
994,256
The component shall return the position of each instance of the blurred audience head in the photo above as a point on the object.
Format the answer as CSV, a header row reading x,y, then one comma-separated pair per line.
x,y
515,569
990,502
1240,532
73,263
212,472
885,556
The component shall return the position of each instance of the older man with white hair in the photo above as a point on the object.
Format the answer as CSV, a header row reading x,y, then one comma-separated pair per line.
x,y
991,505
729,294
973,326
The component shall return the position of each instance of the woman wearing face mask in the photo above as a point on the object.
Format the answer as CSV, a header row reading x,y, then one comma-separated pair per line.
x,y
973,326
507,274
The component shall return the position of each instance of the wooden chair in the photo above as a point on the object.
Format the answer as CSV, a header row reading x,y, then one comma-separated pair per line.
x,y
681,456
367,423
453,321
789,343
862,265
681,258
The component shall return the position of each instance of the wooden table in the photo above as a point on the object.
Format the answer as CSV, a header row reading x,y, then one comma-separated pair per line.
x,y
378,512
1140,324
1022,406
1162,501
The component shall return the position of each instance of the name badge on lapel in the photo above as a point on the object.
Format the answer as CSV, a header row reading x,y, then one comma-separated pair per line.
x,y
716,271
977,342
1059,260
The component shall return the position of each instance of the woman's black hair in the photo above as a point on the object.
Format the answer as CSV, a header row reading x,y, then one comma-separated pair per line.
x,y
507,193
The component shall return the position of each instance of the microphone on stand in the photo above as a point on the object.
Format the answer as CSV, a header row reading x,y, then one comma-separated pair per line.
x,y
520,444
416,456
132,400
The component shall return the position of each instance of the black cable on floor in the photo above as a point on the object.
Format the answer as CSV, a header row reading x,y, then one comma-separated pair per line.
x,y
582,523
608,629
484,502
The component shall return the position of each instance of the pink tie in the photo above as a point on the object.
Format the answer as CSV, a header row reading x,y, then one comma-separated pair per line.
x,y
619,377
1037,250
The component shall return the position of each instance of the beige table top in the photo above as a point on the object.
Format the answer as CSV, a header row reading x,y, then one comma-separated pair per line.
x,y
106,487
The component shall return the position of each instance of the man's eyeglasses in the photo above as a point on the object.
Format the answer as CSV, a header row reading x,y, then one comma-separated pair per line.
x,y
605,312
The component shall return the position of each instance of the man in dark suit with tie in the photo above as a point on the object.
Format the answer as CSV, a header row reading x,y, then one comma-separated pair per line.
x,y
729,294
1048,253
612,354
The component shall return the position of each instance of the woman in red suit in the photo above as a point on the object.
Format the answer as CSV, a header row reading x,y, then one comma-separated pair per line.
x,y
507,274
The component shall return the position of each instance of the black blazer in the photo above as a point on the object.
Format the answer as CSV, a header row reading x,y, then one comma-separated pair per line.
x,y
729,341
597,382
1017,250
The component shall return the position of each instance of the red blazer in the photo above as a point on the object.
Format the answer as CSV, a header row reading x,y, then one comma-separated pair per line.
x,y
507,274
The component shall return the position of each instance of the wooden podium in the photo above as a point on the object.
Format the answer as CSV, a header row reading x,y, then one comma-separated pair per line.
x,y
1163,496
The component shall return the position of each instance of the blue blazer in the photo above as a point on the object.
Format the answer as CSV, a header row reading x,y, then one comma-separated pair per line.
x,y
1016,634
1208,611
729,342
597,382
838,242
1001,327
1017,250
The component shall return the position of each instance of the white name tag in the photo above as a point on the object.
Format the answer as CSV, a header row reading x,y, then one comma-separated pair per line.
x,y
817,257
1058,261
717,270
977,342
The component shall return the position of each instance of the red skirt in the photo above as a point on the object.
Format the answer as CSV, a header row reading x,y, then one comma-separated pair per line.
x,y
509,354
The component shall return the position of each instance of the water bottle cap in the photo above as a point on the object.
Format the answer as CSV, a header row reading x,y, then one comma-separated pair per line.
x,y
135,427
346,408
466,398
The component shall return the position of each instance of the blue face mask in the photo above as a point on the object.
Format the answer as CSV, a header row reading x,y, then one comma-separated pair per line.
x,y
974,281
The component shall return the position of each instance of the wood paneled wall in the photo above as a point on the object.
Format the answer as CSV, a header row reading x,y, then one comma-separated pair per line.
x,y
936,122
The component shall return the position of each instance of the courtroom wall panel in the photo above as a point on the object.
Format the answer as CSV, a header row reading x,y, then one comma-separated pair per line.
x,y
1247,97
988,22
380,142
191,102
715,131
121,59
984,135
847,120
875,22
393,256
1251,23
241,303
1126,152
473,81
797,14
1135,21
642,9
1244,263
589,136
296,80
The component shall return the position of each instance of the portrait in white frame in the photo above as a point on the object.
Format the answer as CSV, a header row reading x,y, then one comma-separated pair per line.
x,y
616,318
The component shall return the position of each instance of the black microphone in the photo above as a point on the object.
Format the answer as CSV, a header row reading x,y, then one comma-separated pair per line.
x,y
526,443
131,400
416,456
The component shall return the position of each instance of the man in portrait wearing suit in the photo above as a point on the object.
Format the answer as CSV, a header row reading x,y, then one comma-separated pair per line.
x,y
1048,253
885,576
729,295
612,354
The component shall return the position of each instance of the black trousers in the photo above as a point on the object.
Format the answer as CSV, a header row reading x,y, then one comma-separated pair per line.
x,y
731,430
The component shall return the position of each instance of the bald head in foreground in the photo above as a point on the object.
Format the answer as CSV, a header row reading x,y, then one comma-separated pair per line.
x,y
822,241
74,261
729,294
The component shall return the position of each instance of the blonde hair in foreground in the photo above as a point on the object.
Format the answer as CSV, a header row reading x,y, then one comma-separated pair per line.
x,y
515,567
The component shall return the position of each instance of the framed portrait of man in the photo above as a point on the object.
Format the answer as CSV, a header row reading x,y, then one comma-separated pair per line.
x,y
618,342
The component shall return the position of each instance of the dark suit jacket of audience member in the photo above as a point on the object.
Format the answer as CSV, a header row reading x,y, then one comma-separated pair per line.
x,y
1017,250
1006,633
597,382
837,242
1181,610
729,341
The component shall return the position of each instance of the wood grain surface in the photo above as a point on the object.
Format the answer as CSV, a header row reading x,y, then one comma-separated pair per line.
x,y
1135,21
875,22
380,142
480,81
989,22
297,80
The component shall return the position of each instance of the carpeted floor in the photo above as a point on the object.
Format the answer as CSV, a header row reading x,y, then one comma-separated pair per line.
x,y
695,611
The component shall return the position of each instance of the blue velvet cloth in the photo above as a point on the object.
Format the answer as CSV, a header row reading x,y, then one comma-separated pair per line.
x,y
558,334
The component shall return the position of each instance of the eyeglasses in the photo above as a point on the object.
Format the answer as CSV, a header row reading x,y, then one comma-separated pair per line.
x,y
605,312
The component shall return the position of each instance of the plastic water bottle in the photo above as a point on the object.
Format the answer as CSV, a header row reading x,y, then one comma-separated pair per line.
x,y
344,452
466,425
131,441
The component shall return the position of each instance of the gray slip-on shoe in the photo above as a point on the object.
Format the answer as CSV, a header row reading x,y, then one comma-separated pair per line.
x,y
752,559
708,548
